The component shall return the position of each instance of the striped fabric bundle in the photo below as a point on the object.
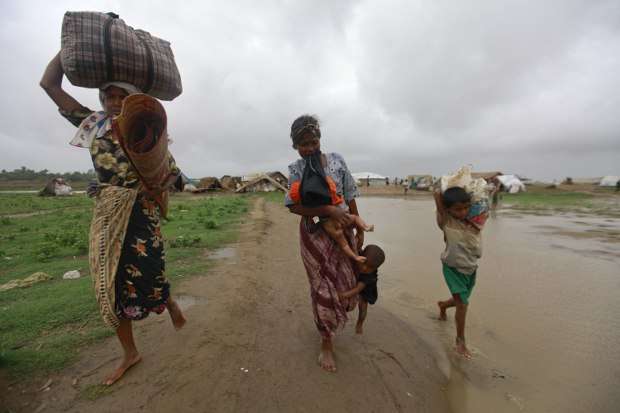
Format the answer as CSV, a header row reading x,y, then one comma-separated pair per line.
x,y
100,47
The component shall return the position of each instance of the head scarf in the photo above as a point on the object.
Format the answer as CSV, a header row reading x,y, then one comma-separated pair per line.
x,y
127,87
302,125
99,123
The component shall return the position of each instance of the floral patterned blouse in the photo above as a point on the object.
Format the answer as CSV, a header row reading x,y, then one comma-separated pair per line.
x,y
336,168
109,160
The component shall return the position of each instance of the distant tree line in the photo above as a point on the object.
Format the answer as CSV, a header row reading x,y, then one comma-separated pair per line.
x,y
25,174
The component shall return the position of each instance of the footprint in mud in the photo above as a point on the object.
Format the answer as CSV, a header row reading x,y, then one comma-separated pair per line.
x,y
490,334
498,374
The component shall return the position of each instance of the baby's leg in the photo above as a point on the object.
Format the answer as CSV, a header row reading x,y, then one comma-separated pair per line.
x,y
362,308
337,234
361,225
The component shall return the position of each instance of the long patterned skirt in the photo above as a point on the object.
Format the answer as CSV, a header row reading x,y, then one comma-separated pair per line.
x,y
127,256
329,271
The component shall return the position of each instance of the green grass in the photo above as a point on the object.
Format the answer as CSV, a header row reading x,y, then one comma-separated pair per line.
x,y
42,326
555,200
36,185
28,203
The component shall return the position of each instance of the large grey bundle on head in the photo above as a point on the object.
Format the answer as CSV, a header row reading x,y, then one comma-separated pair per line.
x,y
99,47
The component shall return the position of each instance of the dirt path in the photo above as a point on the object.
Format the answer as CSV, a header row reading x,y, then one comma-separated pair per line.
x,y
251,345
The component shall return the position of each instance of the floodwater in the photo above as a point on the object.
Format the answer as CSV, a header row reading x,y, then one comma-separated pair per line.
x,y
543,321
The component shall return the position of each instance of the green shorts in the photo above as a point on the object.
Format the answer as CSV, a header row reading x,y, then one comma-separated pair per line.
x,y
459,283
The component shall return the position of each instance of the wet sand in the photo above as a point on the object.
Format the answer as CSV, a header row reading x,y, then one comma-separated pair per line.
x,y
543,316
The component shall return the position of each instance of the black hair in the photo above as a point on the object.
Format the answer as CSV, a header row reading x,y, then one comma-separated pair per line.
x,y
304,123
454,196
374,255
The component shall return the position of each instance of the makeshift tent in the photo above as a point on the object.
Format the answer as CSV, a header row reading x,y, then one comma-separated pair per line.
x,y
56,187
262,183
210,183
369,179
420,182
231,183
609,180
511,183
586,181
279,177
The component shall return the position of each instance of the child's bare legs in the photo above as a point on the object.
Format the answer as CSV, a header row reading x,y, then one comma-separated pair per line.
x,y
337,234
362,308
130,353
361,225
326,357
443,306
176,315
459,318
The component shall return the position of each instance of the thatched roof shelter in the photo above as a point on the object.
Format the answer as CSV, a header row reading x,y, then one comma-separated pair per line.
x,y
231,183
209,183
263,183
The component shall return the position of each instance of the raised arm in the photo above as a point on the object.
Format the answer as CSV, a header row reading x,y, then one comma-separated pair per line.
x,y
51,82
441,209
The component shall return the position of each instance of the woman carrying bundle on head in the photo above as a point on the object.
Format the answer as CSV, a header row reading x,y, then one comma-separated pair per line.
x,y
126,245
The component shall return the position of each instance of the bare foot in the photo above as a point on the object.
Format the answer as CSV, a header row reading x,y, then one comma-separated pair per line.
x,y
360,259
128,362
442,311
326,360
359,329
176,315
462,349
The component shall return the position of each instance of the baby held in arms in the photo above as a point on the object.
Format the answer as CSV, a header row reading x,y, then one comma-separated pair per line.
x,y
318,189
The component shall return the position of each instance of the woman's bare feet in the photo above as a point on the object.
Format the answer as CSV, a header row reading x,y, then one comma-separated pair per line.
x,y
442,311
326,357
128,362
359,329
176,315
462,349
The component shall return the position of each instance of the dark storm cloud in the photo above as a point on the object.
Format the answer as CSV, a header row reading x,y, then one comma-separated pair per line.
x,y
400,86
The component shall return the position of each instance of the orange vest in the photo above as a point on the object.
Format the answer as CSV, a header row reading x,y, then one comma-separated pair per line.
x,y
295,194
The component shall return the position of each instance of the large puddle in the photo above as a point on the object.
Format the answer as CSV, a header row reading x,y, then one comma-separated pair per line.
x,y
543,319
223,253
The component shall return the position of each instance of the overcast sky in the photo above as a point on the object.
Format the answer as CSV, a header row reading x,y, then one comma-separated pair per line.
x,y
400,86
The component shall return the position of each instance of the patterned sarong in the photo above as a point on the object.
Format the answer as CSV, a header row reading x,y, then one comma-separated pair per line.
x,y
113,208
329,271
